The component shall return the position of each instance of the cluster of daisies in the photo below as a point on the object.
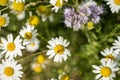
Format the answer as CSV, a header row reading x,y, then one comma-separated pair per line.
x,y
27,40
12,47
110,63
87,13
18,7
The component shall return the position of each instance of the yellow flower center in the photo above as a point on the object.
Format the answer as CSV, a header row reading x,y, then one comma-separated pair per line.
x,y
42,9
11,46
37,68
117,2
3,2
40,59
59,3
8,71
18,6
28,35
105,71
32,44
59,49
110,56
65,77
90,25
2,21
34,20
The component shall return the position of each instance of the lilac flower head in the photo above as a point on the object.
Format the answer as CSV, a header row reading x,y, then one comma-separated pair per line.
x,y
74,19
92,10
88,11
69,14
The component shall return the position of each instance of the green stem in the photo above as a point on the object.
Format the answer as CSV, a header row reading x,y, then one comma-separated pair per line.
x,y
27,59
42,37
76,3
4,9
104,38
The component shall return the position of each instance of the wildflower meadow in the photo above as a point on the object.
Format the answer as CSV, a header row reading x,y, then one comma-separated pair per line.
x,y
59,39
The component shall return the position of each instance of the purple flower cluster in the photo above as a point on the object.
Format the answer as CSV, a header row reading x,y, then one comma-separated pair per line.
x,y
74,19
77,18
93,12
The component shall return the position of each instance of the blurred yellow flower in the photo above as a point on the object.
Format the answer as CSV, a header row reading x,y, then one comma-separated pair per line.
x,y
90,25
42,9
37,67
3,2
33,20
40,59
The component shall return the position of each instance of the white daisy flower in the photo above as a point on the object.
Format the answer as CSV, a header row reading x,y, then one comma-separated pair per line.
x,y
114,5
10,70
116,45
28,33
33,46
109,54
21,16
57,4
4,20
106,71
57,48
17,6
11,48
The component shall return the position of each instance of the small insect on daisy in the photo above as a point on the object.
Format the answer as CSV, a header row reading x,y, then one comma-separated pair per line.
x,y
29,34
57,48
106,71
114,5
11,48
3,2
57,4
10,70
4,20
